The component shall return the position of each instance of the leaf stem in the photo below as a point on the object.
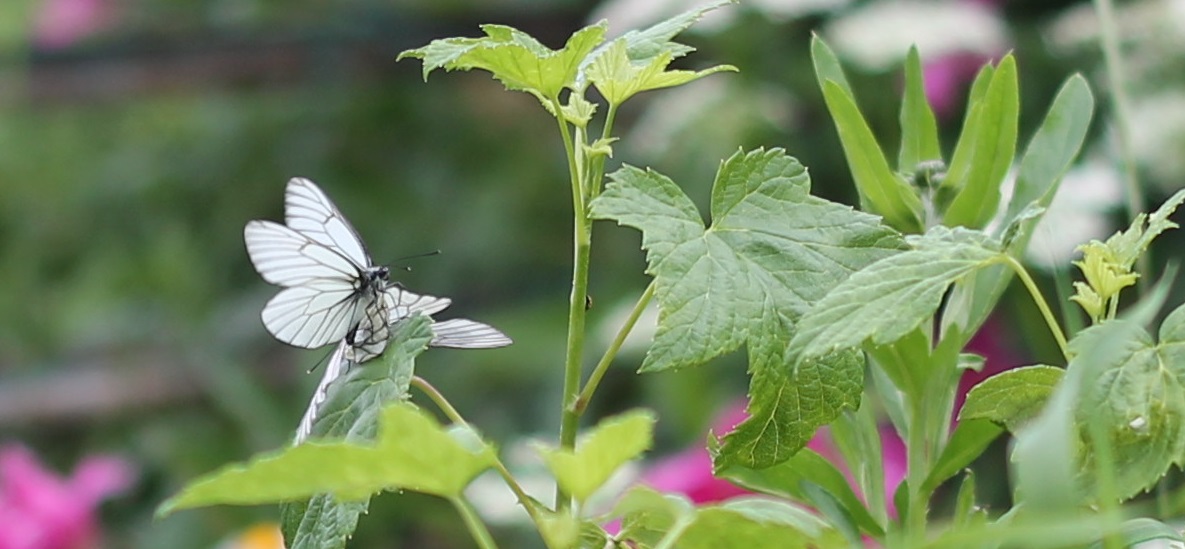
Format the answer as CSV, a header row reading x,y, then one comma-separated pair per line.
x,y
445,406
598,372
1120,103
1023,274
582,236
598,169
476,527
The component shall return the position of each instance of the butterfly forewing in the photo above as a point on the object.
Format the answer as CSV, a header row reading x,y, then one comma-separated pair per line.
x,y
308,210
288,258
337,366
462,333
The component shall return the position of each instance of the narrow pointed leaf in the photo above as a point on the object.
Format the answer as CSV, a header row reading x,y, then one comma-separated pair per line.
x,y
919,129
990,145
882,191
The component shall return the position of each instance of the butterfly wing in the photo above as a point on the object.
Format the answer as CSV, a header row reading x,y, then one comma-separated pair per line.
x,y
337,366
309,211
462,333
286,257
313,314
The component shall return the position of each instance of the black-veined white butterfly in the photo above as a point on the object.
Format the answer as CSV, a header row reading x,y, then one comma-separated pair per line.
x,y
333,291
318,258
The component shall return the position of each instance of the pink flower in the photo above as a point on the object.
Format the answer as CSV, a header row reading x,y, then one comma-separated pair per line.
x,y
61,23
40,510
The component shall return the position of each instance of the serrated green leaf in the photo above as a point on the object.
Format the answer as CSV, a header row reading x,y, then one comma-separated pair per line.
x,y
787,405
890,298
1129,245
787,480
753,523
919,129
600,452
881,190
655,40
985,151
1013,397
745,280
618,78
514,58
412,452
351,412
770,252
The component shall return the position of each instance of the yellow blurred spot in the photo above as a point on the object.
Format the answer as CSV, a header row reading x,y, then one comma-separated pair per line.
x,y
265,535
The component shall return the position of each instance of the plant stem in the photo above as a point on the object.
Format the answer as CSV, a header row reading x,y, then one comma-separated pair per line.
x,y
1120,103
1041,304
590,386
598,169
582,236
445,406
476,527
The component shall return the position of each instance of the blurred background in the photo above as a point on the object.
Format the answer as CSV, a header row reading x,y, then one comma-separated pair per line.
x,y
137,137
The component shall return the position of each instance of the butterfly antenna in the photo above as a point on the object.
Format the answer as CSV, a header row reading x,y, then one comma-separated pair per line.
x,y
324,359
407,268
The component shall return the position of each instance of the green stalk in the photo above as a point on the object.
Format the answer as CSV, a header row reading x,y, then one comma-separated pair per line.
x,y
476,527
915,475
582,236
445,406
1120,103
598,169
590,386
1041,304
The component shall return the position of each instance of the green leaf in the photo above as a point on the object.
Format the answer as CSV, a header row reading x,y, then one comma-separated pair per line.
x,y
1129,245
967,513
412,452
1139,531
600,452
919,129
787,480
646,44
827,65
1048,156
648,515
1138,397
985,151
881,190
515,58
890,298
618,78
1052,149
787,405
751,523
771,251
1012,398
970,439
351,412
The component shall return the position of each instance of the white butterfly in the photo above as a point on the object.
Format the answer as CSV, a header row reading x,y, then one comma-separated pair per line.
x,y
333,292
328,278
368,342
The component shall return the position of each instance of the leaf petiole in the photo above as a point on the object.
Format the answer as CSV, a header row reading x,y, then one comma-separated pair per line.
x,y
476,527
590,386
1039,300
445,406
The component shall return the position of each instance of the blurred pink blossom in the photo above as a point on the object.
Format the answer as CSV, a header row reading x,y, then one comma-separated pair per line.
x,y
61,23
41,510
